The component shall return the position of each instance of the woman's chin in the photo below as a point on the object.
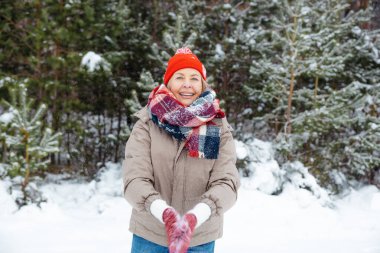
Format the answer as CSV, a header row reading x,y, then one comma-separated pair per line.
x,y
186,102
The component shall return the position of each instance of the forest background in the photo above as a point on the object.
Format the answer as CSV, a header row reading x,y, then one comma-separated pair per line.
x,y
303,75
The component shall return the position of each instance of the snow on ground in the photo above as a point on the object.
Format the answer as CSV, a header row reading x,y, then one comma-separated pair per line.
x,y
93,217
295,222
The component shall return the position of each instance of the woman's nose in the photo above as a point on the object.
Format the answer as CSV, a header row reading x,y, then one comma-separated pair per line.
x,y
187,84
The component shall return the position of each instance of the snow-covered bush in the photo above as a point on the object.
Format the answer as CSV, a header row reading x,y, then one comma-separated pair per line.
x,y
255,160
267,176
3,170
297,175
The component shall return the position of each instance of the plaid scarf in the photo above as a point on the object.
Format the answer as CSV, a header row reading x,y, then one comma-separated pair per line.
x,y
192,124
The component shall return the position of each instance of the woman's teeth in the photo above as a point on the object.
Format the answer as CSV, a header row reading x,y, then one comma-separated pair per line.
x,y
187,94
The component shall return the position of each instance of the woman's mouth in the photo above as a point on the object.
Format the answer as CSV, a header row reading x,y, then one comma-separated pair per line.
x,y
186,94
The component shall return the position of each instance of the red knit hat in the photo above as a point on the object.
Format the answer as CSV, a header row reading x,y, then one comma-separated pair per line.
x,y
183,58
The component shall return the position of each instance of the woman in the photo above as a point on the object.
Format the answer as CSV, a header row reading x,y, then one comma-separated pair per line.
x,y
179,171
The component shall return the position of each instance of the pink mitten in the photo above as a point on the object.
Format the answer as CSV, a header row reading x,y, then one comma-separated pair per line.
x,y
179,240
170,218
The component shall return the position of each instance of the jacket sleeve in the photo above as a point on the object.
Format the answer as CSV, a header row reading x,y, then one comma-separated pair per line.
x,y
221,193
137,169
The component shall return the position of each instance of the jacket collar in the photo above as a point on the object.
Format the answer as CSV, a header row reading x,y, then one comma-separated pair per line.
x,y
143,114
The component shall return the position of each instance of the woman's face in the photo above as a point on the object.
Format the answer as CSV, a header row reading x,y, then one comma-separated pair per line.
x,y
186,85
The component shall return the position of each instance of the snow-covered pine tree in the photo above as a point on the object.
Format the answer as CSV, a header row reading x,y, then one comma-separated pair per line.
x,y
343,138
54,37
228,56
43,30
318,53
302,46
28,138
96,125
185,25
236,35
127,51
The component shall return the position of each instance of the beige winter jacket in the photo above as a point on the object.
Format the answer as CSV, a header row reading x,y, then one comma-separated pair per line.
x,y
156,166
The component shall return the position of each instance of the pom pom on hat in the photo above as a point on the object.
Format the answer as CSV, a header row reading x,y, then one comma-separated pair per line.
x,y
183,58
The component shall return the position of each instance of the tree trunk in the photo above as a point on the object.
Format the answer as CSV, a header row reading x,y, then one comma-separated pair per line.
x,y
316,87
119,118
4,148
27,169
288,128
55,108
68,141
100,150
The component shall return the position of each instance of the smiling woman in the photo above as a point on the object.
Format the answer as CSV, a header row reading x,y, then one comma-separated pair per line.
x,y
186,85
179,170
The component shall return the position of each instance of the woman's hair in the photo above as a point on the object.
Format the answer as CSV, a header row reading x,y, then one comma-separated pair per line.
x,y
204,85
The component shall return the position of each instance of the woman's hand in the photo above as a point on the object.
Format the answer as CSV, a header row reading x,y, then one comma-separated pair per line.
x,y
202,212
171,219
179,230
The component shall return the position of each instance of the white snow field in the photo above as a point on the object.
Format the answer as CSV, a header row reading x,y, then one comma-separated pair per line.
x,y
93,218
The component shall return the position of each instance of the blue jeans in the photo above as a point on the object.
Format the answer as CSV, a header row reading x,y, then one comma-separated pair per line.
x,y
140,245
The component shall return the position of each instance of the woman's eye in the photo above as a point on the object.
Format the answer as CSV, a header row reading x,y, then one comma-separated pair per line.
x,y
179,77
194,79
